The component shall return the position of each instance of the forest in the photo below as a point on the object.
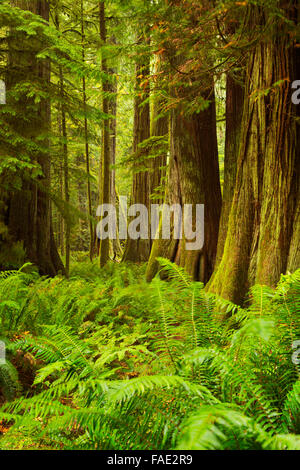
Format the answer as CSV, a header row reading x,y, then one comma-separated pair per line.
x,y
149,225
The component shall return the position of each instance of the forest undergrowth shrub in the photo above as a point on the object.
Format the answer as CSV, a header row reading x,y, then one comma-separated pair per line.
x,y
122,364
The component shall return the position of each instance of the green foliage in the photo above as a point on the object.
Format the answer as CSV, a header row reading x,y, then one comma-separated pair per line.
x,y
122,364
9,384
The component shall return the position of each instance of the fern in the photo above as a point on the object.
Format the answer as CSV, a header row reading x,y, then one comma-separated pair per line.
x,y
163,365
9,381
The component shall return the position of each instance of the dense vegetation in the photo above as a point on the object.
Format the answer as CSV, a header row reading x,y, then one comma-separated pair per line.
x,y
106,361
142,342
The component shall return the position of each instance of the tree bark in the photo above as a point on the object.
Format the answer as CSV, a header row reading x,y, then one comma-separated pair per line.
x,y
139,250
234,111
159,128
193,179
66,174
294,250
263,210
28,210
116,249
86,141
105,154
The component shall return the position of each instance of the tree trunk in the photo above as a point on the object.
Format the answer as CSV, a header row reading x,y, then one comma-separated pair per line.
x,y
263,210
294,250
139,250
66,175
105,155
234,111
28,211
116,249
193,179
159,128
61,222
86,140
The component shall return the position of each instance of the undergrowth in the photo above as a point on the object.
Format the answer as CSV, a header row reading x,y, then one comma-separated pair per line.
x,y
106,361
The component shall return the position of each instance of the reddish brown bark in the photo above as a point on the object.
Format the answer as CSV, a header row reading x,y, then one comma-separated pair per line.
x,y
263,210
139,250
193,179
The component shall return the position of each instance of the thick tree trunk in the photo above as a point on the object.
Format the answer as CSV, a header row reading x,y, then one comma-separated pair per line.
x,y
234,111
294,250
139,250
193,179
263,209
28,211
159,128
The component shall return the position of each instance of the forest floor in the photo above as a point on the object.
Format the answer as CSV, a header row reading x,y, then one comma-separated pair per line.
x,y
105,360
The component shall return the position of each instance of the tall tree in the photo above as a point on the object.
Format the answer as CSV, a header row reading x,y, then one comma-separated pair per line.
x,y
139,250
66,174
28,210
234,111
116,250
105,152
193,169
193,179
159,135
294,250
262,215
86,137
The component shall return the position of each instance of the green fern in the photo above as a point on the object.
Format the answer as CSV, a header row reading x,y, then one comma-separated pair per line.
x,y
205,373
9,381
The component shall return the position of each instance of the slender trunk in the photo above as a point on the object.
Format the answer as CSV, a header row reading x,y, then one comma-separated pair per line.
x,y
105,156
65,174
116,249
61,234
86,139
81,243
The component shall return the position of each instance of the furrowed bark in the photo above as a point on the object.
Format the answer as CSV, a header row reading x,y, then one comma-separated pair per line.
x,y
234,111
28,210
261,219
193,179
105,156
139,250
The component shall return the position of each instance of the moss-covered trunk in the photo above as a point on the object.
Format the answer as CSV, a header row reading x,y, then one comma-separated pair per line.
x,y
294,250
105,150
193,179
139,250
263,210
159,134
27,210
234,111
115,247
